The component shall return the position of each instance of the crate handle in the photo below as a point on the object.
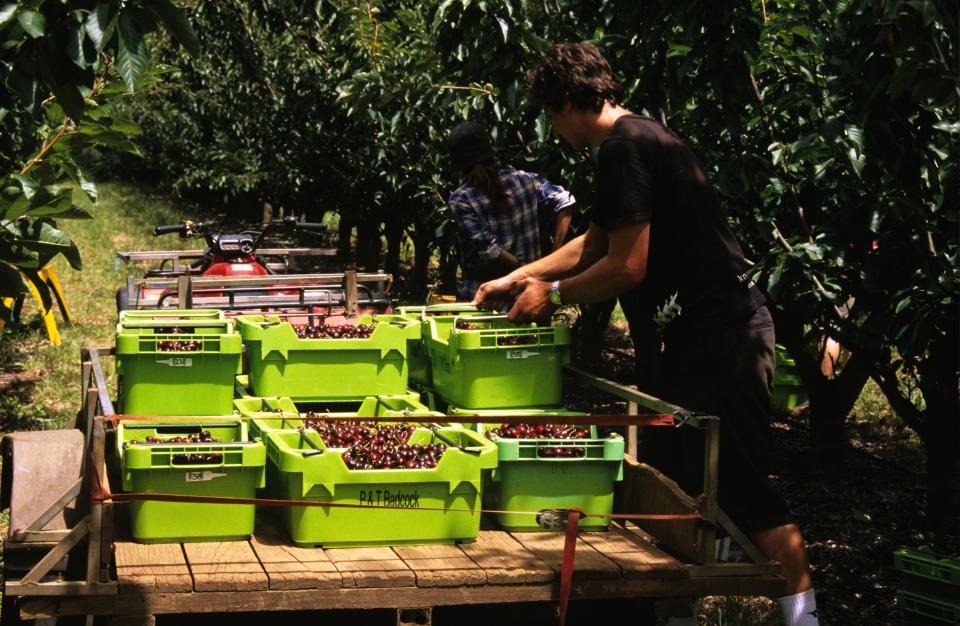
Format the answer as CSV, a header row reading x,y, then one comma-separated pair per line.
x,y
450,442
175,429
316,450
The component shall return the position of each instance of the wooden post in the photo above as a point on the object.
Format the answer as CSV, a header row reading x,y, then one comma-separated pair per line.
x,y
97,468
711,458
184,293
632,431
350,290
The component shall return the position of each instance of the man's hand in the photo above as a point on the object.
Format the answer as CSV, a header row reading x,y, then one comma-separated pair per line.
x,y
496,294
534,304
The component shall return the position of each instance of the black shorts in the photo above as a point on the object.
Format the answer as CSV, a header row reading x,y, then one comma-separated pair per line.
x,y
727,373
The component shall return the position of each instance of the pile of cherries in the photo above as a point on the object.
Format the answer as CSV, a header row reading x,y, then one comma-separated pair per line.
x,y
175,345
194,458
539,431
375,446
545,431
344,331
463,324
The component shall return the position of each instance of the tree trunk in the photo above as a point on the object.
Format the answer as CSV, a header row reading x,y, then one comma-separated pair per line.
x,y
394,233
368,243
344,236
941,436
830,399
449,260
422,247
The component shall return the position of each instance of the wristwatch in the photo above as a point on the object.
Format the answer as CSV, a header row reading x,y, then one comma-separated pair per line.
x,y
555,293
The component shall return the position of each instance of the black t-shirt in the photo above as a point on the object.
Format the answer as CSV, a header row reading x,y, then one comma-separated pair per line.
x,y
696,273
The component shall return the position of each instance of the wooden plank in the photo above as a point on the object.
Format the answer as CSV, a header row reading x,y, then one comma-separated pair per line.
x,y
636,558
441,566
291,567
589,564
152,568
321,599
225,566
371,567
505,561
646,490
43,463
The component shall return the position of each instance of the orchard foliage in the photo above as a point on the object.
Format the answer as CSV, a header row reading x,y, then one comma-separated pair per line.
x,y
64,64
830,129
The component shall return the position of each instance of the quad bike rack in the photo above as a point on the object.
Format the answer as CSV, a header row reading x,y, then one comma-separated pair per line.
x,y
347,291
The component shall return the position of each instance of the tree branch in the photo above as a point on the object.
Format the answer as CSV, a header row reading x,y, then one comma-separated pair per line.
x,y
912,417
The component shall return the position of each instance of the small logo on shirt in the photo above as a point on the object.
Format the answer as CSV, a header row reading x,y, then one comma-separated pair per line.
x,y
668,312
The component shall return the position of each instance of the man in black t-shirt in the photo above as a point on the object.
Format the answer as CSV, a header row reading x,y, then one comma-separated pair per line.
x,y
657,232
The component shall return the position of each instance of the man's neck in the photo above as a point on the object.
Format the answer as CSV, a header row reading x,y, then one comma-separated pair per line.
x,y
605,120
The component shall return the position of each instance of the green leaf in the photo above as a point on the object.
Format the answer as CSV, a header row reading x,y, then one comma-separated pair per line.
x,y
29,186
39,235
75,38
32,22
11,281
69,98
948,126
504,28
133,57
8,11
62,207
175,19
100,23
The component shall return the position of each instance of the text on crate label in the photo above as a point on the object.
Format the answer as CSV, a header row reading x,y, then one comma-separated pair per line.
x,y
195,477
177,362
521,354
385,497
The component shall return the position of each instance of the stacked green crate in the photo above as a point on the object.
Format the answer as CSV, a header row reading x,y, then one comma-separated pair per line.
x,y
417,353
488,362
281,364
231,467
931,586
787,390
304,468
176,362
526,481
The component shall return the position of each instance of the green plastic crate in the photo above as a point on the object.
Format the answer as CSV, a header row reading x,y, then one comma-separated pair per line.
x,y
153,468
313,472
268,414
524,481
787,391
196,382
283,365
926,572
921,608
418,356
472,370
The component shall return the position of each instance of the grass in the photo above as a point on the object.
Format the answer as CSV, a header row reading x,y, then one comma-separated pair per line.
x,y
125,217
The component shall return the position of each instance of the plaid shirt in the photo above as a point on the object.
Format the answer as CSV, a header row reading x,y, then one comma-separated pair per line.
x,y
484,232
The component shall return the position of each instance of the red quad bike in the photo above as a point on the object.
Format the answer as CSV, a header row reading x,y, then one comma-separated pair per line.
x,y
239,258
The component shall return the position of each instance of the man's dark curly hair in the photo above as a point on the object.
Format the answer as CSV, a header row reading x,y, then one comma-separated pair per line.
x,y
575,73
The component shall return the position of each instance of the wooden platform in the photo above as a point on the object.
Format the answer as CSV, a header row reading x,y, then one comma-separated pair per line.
x,y
499,567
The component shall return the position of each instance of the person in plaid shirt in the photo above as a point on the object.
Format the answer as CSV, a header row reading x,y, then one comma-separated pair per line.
x,y
496,210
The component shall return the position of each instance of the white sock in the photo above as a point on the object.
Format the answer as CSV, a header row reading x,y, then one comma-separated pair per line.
x,y
799,609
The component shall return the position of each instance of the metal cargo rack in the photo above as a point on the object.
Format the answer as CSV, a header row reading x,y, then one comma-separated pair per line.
x,y
178,262
344,291
667,561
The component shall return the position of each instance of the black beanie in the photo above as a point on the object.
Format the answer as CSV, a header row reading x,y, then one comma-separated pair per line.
x,y
469,144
